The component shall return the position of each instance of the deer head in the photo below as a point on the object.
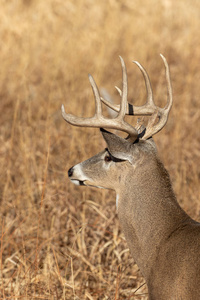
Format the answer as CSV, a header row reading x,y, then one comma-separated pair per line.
x,y
95,171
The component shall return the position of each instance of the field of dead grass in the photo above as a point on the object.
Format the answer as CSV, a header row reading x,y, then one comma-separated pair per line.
x,y
59,241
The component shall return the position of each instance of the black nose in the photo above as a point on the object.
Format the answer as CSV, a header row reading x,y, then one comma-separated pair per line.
x,y
70,172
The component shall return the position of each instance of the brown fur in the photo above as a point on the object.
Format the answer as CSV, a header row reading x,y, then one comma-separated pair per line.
x,y
163,239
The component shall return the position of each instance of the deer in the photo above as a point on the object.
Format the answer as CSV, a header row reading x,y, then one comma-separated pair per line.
x,y
163,239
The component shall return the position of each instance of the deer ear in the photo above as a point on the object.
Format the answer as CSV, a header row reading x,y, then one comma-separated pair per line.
x,y
118,146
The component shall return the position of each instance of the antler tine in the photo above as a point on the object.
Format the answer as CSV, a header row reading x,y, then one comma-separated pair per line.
x,y
98,108
119,91
121,109
96,120
169,86
147,83
162,113
124,95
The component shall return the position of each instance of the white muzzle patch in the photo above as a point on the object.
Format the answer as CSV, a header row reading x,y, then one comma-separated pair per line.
x,y
78,177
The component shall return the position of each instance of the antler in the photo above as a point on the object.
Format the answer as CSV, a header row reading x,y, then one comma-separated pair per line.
x,y
149,108
98,120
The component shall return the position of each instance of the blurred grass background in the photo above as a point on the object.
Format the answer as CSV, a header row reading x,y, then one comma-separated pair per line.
x,y
59,241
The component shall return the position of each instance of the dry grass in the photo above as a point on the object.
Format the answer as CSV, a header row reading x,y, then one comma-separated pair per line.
x,y
59,241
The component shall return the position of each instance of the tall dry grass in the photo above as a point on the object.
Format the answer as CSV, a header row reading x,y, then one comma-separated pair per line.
x,y
59,241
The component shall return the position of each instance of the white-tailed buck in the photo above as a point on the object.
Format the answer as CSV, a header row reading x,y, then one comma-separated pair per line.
x,y
163,239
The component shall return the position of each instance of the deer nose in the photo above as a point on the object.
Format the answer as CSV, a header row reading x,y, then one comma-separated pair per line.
x,y
70,171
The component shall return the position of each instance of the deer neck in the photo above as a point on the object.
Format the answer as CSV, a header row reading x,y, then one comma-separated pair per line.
x,y
148,212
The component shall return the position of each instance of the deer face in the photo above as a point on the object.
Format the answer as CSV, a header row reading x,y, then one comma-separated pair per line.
x,y
111,167
100,171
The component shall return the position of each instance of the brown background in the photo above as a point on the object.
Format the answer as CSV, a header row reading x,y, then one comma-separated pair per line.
x,y
60,241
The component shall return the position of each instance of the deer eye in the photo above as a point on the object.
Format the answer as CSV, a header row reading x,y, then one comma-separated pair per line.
x,y
108,158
